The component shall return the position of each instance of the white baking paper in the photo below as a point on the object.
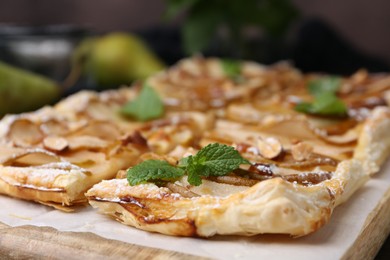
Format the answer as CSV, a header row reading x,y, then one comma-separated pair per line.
x,y
330,242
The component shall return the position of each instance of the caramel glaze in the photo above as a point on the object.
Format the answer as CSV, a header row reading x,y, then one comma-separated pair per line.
x,y
262,169
262,172
340,127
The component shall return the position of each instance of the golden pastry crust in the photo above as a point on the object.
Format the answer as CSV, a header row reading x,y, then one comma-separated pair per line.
x,y
374,142
48,183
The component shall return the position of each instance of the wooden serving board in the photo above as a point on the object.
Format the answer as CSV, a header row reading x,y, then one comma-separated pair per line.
x,y
374,232
31,242
34,242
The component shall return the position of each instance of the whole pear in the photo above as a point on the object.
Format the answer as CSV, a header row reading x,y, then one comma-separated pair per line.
x,y
22,90
120,58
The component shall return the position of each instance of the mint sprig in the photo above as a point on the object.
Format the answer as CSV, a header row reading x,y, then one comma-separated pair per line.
x,y
212,160
146,106
325,101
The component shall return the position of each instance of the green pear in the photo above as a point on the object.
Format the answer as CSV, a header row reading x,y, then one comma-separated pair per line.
x,y
120,58
22,90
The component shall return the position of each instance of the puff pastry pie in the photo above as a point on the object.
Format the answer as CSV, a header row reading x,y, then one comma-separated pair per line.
x,y
302,165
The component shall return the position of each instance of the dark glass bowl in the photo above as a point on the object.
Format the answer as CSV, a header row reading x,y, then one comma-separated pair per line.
x,y
45,50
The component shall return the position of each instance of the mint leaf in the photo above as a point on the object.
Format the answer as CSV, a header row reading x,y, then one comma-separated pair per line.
x,y
153,170
146,106
183,162
326,104
193,170
324,85
218,159
304,107
213,160
231,68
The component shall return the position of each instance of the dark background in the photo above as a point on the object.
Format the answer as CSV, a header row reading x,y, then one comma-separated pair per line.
x,y
351,33
363,23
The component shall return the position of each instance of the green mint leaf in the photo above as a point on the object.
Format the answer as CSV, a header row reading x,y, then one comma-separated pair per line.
x,y
231,68
193,170
325,102
183,162
327,105
304,107
146,106
324,85
153,170
213,160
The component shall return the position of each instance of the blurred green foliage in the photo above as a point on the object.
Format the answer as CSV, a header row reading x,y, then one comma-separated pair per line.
x,y
205,17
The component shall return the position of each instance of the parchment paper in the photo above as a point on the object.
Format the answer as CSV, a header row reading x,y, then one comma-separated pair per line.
x,y
330,242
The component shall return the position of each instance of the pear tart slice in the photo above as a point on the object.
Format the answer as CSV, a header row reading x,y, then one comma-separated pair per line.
x,y
250,201
51,159
88,135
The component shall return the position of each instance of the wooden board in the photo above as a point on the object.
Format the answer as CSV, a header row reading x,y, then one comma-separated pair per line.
x,y
374,232
44,242
29,242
